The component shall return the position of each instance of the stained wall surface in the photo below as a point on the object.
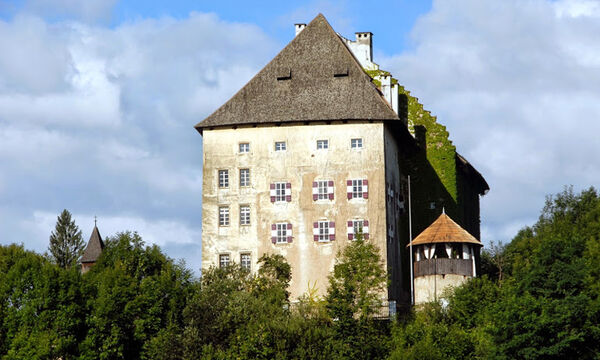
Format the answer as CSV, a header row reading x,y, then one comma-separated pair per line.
x,y
432,287
300,164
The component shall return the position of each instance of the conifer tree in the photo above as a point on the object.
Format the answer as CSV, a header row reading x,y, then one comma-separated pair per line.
x,y
66,243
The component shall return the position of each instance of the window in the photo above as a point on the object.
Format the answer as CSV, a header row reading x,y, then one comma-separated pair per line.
x,y
245,261
244,148
322,144
357,188
281,191
280,146
356,143
244,177
281,233
324,231
224,216
223,260
323,190
356,227
244,215
223,178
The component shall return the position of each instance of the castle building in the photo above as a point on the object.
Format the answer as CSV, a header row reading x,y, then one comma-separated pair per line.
x,y
315,149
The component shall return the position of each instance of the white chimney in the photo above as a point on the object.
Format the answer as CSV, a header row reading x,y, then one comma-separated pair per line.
x,y
299,27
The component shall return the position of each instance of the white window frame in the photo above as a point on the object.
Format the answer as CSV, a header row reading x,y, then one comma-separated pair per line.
x,y
280,146
358,226
280,191
323,230
323,189
357,188
356,143
244,177
224,260
223,179
322,144
244,214
282,233
246,261
223,215
244,148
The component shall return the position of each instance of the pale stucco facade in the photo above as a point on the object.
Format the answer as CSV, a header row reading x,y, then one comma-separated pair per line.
x,y
301,164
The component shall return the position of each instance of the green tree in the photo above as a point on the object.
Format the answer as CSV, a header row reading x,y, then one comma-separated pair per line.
x,y
66,244
135,299
357,288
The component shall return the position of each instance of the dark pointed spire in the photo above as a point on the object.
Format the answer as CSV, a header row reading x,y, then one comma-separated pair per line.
x,y
94,246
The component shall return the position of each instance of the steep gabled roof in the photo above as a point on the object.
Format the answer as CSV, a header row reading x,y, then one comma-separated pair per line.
x,y
444,230
315,77
94,247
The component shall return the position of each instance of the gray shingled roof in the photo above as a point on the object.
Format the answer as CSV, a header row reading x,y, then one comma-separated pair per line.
x,y
315,77
94,247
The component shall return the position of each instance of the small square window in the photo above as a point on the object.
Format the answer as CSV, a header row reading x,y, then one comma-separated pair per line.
x,y
358,226
224,216
223,178
244,215
244,177
280,146
323,230
356,143
357,188
223,260
322,144
246,261
282,232
280,191
244,148
323,191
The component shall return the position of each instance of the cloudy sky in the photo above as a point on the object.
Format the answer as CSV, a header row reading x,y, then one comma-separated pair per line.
x,y
98,100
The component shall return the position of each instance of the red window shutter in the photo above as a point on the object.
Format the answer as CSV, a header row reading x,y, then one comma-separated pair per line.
x,y
274,239
272,199
288,198
349,195
315,184
365,182
348,182
272,186
330,196
316,225
289,226
350,236
315,197
288,185
273,227
366,193
366,223
332,224
289,239
316,237
366,236
350,223
330,183
332,237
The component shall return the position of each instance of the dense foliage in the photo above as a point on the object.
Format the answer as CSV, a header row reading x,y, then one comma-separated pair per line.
x,y
539,299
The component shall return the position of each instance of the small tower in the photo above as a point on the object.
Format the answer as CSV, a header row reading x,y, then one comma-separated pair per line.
x,y
92,250
445,255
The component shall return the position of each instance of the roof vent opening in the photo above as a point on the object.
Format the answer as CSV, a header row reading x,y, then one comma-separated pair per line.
x,y
340,72
284,74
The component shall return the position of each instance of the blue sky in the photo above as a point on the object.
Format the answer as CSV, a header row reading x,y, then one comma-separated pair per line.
x,y
98,99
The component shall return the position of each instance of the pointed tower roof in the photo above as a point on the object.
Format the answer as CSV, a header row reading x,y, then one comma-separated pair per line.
x,y
444,230
315,77
94,247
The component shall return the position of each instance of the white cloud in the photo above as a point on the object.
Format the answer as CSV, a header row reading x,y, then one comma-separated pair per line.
x,y
518,85
87,10
100,120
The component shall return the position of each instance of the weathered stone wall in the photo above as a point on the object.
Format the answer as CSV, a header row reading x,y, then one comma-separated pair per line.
x,y
300,164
